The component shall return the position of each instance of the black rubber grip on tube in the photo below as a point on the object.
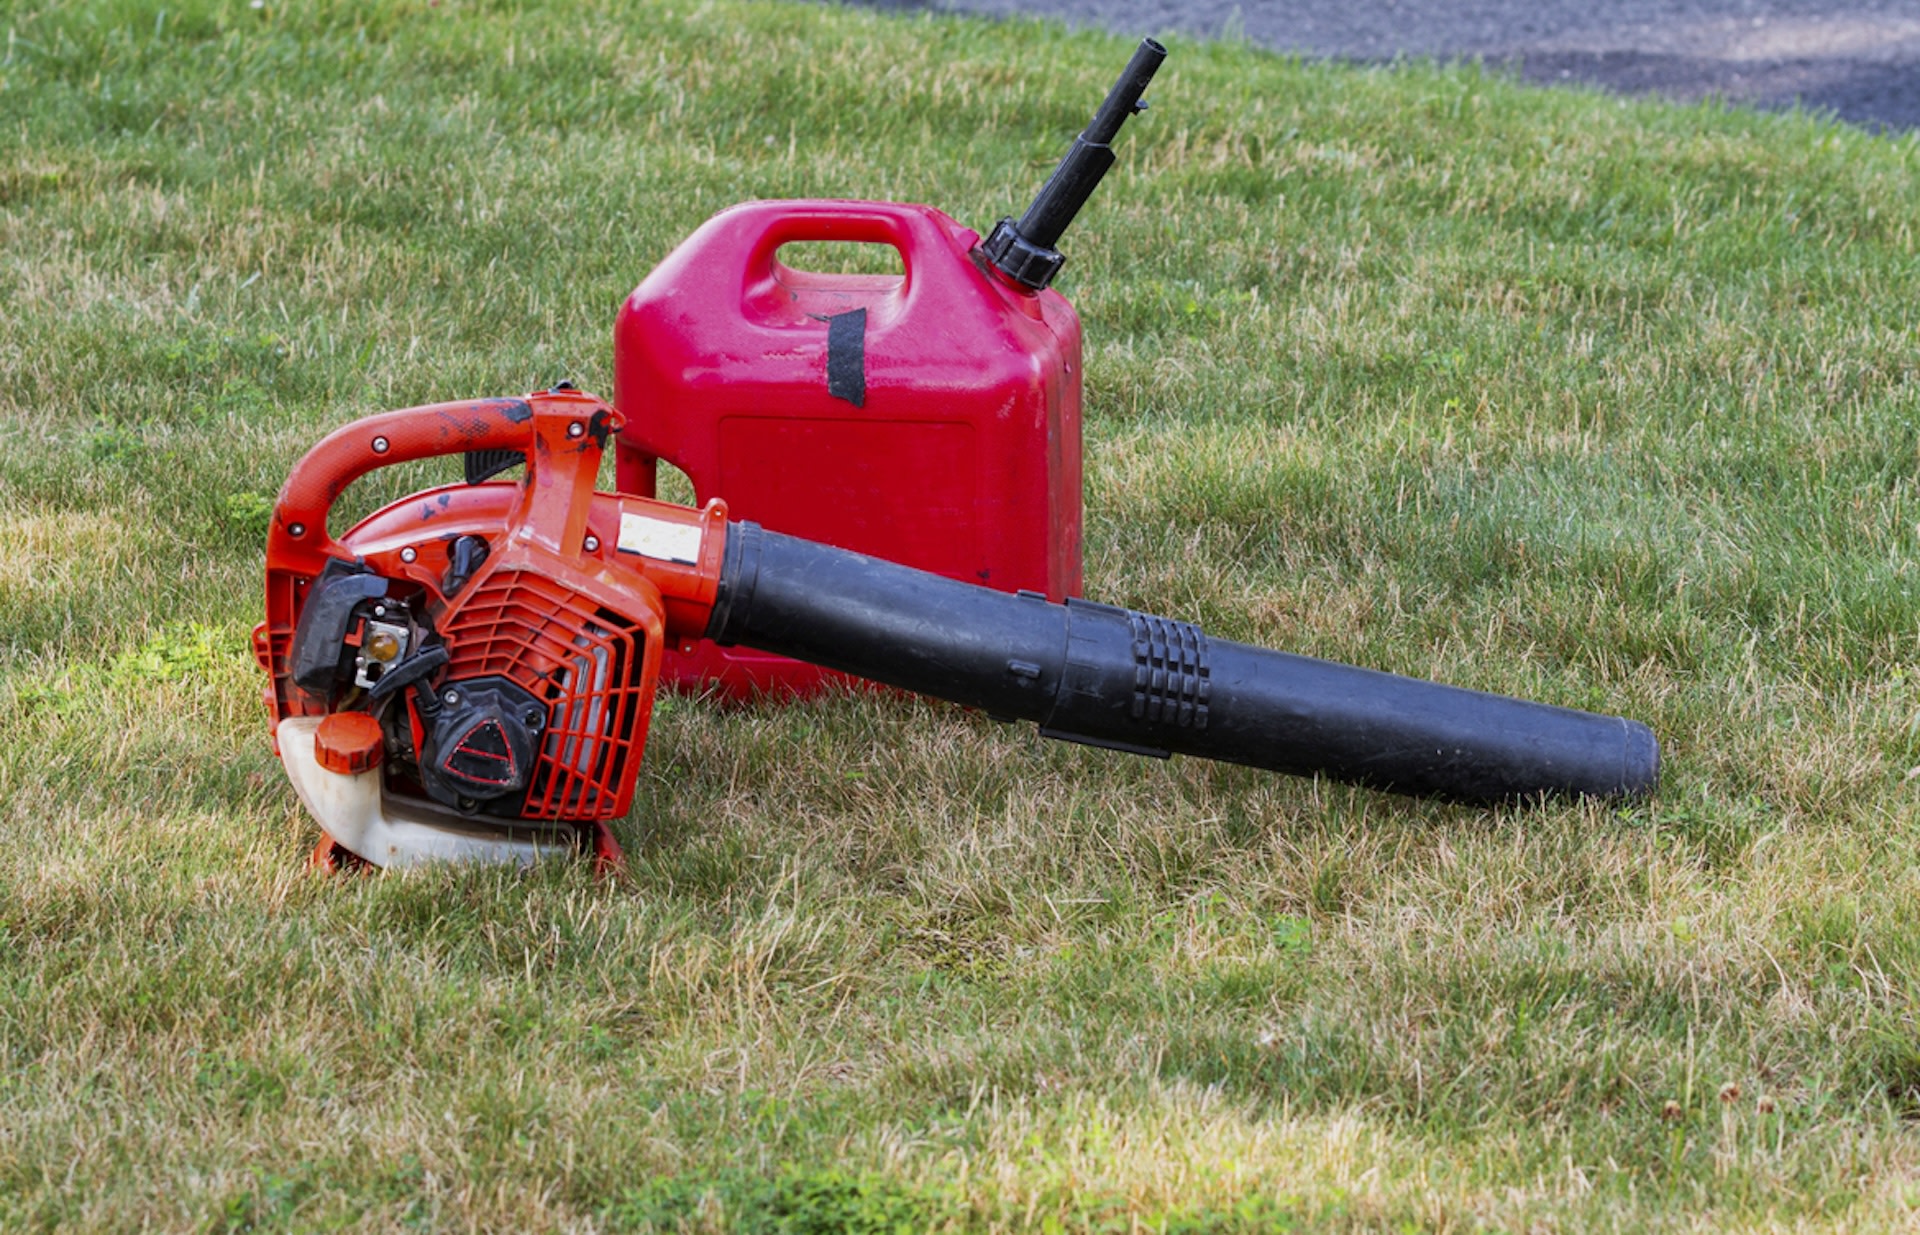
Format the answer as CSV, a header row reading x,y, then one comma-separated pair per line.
x,y
1132,681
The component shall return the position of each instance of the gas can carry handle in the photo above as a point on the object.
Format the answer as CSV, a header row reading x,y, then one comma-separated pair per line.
x,y
299,539
905,229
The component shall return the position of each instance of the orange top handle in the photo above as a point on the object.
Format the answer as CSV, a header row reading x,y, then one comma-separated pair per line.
x,y
559,433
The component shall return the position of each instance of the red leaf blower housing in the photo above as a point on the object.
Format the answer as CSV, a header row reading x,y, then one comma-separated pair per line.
x,y
469,672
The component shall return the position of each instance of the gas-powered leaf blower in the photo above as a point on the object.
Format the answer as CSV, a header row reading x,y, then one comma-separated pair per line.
x,y
469,673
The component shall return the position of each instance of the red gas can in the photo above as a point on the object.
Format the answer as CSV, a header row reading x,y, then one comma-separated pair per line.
x,y
930,418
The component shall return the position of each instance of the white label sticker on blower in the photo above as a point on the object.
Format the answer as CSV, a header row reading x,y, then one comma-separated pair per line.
x,y
659,538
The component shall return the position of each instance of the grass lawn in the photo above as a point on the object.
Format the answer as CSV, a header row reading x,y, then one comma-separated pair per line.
x,y
1608,403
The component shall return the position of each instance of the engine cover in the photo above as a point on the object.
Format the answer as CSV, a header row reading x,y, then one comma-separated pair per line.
x,y
535,645
480,750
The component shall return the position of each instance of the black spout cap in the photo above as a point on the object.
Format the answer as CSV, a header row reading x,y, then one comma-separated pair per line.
x,y
1025,251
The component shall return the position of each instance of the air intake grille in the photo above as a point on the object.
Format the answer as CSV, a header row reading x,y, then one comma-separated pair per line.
x,y
585,662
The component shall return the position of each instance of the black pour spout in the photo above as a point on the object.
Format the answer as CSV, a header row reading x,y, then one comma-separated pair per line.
x,y
1025,251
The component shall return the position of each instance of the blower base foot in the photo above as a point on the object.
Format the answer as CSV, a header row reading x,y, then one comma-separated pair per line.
x,y
609,859
330,857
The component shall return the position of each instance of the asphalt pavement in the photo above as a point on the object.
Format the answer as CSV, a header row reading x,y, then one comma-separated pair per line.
x,y
1857,59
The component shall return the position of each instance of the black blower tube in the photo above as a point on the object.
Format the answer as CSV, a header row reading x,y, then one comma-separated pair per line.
x,y
1130,681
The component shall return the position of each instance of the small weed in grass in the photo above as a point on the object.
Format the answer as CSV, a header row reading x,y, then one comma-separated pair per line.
x,y
788,1202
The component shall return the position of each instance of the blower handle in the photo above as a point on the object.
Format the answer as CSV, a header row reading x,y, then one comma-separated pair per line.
x,y
299,540
1024,252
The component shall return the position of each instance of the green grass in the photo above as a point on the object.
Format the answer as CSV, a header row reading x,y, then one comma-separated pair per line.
x,y
1609,403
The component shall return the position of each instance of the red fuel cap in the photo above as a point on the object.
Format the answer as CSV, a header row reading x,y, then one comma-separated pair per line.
x,y
348,743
